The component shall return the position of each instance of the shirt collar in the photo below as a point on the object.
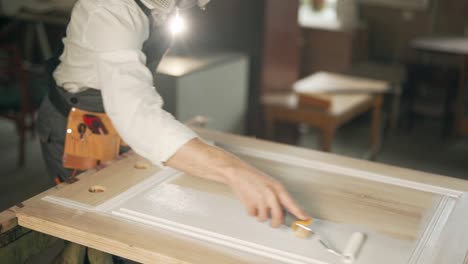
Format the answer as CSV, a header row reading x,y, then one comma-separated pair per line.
x,y
150,5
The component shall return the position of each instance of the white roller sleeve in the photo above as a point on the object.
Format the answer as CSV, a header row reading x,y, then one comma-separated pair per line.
x,y
353,246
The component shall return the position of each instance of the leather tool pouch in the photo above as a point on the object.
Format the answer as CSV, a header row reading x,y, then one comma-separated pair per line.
x,y
86,150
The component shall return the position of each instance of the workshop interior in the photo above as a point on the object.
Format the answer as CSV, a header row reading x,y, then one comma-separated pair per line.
x,y
358,107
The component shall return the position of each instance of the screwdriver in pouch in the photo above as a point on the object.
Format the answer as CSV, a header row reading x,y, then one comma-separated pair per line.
x,y
82,130
95,124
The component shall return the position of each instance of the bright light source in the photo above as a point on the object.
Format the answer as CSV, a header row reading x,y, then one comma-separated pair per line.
x,y
177,24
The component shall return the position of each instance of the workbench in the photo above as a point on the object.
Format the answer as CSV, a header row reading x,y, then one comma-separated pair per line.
x,y
425,211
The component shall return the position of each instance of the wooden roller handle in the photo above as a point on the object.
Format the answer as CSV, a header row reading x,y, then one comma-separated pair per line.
x,y
295,225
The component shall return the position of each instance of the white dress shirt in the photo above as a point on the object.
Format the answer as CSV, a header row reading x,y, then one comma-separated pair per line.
x,y
103,51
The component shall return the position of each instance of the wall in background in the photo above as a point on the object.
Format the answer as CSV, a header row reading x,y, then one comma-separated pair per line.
x,y
238,26
266,30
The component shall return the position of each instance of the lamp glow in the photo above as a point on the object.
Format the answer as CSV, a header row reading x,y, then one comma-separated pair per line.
x,y
177,24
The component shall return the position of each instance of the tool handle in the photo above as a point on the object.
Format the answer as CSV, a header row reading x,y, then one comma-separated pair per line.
x,y
300,228
95,124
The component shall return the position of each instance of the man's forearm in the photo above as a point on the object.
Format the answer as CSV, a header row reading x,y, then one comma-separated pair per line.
x,y
203,160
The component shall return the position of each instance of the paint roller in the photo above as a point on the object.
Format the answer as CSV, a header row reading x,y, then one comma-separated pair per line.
x,y
301,228
353,247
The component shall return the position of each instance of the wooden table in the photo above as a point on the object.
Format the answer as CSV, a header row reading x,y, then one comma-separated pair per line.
x,y
342,98
455,46
393,200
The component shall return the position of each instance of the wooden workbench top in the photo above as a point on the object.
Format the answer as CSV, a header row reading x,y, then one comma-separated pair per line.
x,y
146,244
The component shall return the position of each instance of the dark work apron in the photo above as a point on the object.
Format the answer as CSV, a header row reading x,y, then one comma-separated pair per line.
x,y
53,112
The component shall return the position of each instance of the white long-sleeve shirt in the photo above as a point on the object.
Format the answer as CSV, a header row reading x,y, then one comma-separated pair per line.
x,y
103,51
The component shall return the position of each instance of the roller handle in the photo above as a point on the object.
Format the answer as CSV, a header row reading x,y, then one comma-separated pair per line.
x,y
300,228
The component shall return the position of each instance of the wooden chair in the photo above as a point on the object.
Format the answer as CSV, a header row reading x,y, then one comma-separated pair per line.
x,y
327,101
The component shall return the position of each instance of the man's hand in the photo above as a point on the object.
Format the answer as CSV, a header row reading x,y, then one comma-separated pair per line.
x,y
262,196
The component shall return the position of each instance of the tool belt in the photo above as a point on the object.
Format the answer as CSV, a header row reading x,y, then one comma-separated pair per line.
x,y
90,138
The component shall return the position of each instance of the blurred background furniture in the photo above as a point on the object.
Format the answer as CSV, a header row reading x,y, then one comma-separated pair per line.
x,y
455,47
327,101
212,85
336,39
14,93
430,92
39,19
18,100
334,50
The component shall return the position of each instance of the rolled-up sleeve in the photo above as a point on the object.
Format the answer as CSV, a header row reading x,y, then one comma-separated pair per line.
x,y
130,99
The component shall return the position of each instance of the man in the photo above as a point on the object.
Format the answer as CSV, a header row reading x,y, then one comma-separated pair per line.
x,y
103,67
